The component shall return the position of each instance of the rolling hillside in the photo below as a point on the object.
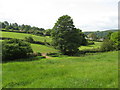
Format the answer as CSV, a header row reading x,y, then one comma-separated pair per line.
x,y
23,35
35,47
88,71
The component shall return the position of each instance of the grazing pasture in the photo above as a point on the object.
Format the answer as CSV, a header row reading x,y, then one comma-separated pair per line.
x,y
98,70
23,35
92,71
42,48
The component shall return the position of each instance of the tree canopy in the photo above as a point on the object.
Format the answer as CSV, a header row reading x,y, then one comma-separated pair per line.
x,y
92,36
115,37
22,28
65,36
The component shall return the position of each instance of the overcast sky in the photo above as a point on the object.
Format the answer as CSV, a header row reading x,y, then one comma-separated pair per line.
x,y
88,15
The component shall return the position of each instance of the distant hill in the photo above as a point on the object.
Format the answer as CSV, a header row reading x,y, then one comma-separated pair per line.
x,y
101,34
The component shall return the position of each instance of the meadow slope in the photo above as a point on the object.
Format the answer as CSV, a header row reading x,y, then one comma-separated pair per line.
x,y
23,35
93,71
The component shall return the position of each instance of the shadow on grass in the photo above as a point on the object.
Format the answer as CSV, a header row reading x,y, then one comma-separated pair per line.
x,y
88,52
25,59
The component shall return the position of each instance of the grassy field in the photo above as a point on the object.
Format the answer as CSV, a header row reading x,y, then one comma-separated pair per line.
x,y
92,71
23,35
42,48
96,45
35,47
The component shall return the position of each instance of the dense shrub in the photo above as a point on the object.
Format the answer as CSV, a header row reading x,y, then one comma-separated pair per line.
x,y
29,39
115,37
107,45
15,49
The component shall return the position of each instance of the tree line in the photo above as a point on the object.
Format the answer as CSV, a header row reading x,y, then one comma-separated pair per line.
x,y
65,37
99,35
24,28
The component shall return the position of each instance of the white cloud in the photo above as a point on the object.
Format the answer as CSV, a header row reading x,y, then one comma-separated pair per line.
x,y
87,14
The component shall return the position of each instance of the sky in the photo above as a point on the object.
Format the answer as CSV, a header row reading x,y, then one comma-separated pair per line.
x,y
87,15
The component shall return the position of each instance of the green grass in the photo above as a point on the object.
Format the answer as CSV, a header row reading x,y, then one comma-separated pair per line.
x,y
42,48
35,47
96,45
93,71
40,38
23,35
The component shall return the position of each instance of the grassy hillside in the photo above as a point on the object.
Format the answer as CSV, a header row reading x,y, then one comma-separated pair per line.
x,y
35,47
42,48
93,71
96,45
23,35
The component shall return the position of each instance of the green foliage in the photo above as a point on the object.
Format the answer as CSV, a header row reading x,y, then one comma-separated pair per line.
x,y
65,36
94,46
90,42
92,36
2,24
6,23
14,49
107,45
54,54
101,34
29,39
84,41
7,28
22,28
35,54
115,37
47,32
15,26
109,35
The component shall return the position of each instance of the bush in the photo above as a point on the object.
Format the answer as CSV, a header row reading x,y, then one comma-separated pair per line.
x,y
107,45
90,42
29,39
54,54
41,57
115,37
15,49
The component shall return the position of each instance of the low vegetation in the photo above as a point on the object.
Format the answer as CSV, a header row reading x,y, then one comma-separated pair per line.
x,y
42,48
15,49
96,45
93,71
